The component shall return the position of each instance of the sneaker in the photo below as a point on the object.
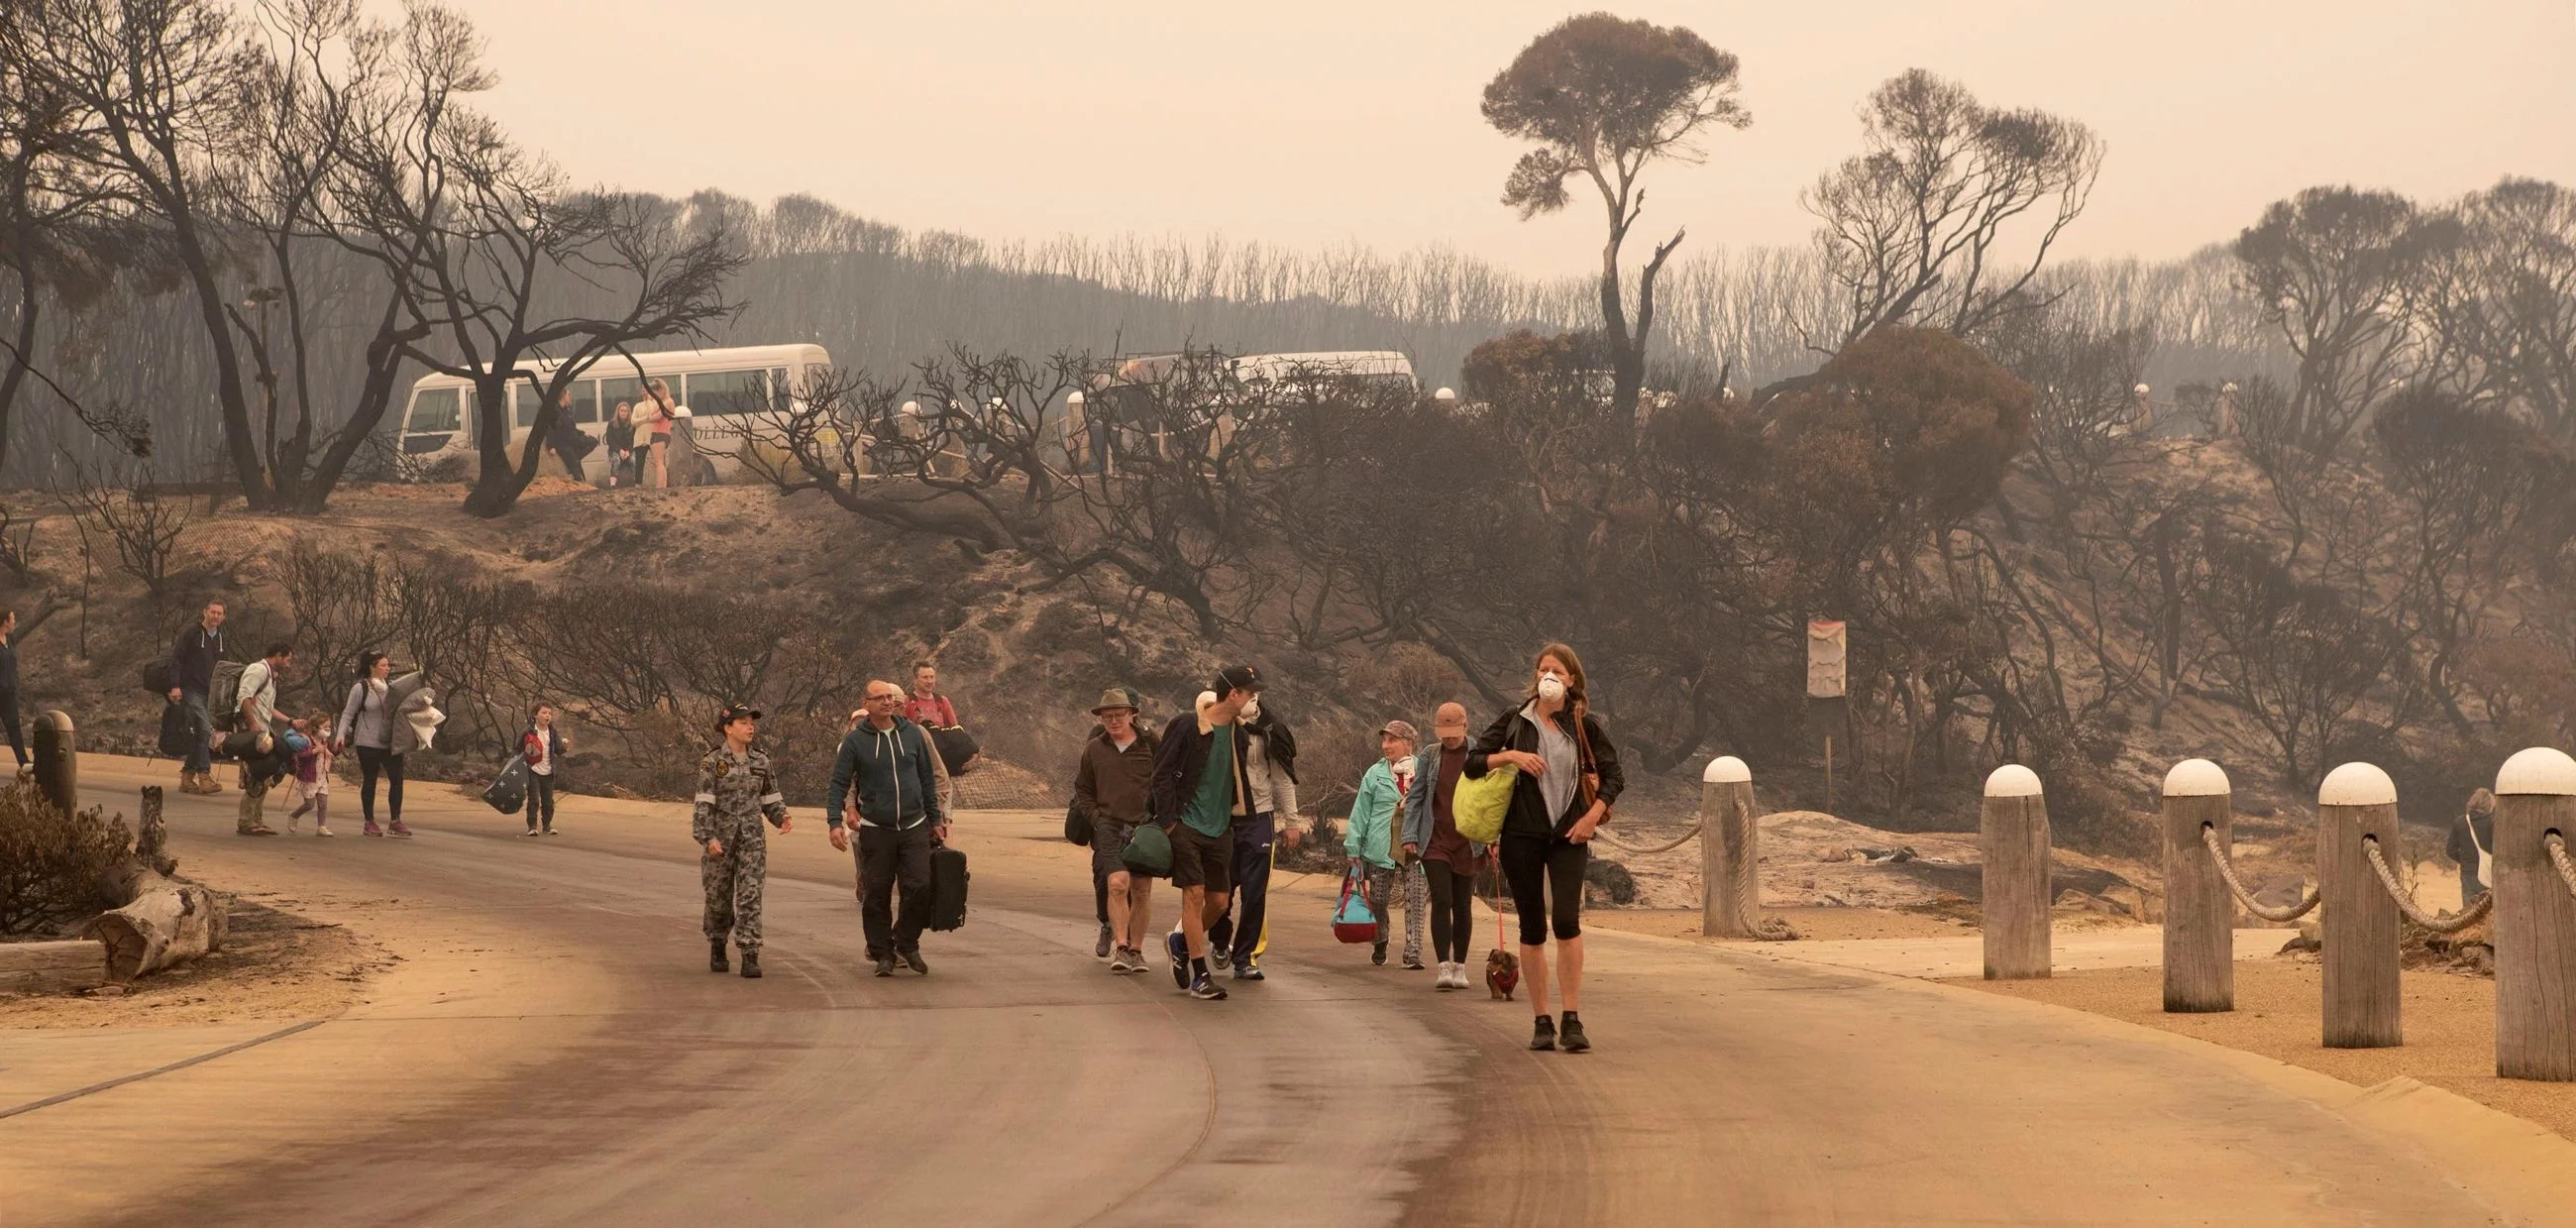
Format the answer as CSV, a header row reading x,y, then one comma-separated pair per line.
x,y
320,830
1377,955
1441,983
371,829
1248,971
885,965
1574,1041
716,956
550,830
913,960
751,965
1118,961
1180,951
532,832
1413,963
1543,1036
1205,989
397,829
1108,938
255,829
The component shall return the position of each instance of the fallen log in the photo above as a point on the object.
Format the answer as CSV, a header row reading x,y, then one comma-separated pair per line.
x,y
162,923
52,967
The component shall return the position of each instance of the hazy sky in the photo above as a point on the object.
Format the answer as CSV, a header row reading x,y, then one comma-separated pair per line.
x,y
1324,122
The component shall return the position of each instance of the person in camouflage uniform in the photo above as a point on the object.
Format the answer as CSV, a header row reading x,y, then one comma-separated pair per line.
x,y
736,790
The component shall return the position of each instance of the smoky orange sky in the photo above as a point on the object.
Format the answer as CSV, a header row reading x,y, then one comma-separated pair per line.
x,y
1323,123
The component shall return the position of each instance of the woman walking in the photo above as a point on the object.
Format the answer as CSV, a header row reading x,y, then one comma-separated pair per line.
x,y
367,720
1569,777
9,686
1448,859
1371,841
543,746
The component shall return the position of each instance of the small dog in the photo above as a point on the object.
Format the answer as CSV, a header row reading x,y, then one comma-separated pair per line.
x,y
1502,973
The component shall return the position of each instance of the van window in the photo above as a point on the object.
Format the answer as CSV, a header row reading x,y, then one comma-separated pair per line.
x,y
437,409
720,393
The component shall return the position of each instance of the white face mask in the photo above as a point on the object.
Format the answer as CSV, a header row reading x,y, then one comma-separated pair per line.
x,y
1551,688
1252,708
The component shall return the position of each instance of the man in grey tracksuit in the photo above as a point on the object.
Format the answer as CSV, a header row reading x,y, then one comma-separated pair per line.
x,y
884,783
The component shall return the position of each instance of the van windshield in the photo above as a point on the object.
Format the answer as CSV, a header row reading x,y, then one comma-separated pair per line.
x,y
437,409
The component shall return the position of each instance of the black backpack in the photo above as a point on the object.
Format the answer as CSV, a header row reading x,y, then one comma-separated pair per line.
x,y
224,702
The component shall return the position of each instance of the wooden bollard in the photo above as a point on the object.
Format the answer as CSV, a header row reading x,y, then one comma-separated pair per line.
x,y
2200,931
2535,919
57,762
2013,833
2358,802
1730,851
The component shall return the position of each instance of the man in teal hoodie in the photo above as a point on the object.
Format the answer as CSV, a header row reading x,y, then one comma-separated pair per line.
x,y
883,783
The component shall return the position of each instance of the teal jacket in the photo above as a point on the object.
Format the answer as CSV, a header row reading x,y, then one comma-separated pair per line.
x,y
1373,818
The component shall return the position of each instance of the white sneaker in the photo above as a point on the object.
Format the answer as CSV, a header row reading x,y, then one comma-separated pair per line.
x,y
320,830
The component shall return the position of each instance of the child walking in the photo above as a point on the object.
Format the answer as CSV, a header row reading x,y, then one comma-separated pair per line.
x,y
309,783
543,745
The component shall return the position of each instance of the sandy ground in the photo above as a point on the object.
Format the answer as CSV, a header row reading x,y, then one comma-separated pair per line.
x,y
276,964
2450,1029
1826,924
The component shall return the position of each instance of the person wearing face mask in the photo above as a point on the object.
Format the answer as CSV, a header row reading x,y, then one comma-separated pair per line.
x,y
1270,763
1448,860
1569,778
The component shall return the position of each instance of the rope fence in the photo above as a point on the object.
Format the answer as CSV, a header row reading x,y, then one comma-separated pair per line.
x,y
2227,871
2469,914
1603,834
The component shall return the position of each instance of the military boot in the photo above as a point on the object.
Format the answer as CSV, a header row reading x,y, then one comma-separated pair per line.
x,y
751,964
716,957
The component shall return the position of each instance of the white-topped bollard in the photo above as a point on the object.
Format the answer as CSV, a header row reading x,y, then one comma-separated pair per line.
x,y
2358,803
2200,930
2013,837
1730,853
2535,919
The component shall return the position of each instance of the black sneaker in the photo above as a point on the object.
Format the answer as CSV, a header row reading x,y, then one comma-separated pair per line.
x,y
1377,955
912,959
716,957
1100,950
1573,1040
1205,989
1179,949
1543,1037
751,965
885,965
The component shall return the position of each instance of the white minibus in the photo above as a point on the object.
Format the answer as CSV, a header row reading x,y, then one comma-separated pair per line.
x,y
716,386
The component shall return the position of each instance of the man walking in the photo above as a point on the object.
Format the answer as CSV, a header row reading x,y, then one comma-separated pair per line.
x,y
883,782
1199,782
1111,786
259,714
737,789
1270,764
926,707
192,679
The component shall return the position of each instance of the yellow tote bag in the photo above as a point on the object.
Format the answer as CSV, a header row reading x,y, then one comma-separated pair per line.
x,y
1479,803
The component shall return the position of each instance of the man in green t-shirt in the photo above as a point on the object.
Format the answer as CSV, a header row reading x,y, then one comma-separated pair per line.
x,y
1198,780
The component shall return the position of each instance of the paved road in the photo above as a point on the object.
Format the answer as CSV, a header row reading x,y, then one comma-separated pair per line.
x,y
552,1050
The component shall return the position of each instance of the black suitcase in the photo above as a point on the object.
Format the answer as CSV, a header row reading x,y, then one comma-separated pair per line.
x,y
178,731
947,888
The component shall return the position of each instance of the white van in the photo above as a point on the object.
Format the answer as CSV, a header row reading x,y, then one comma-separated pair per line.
x,y
717,387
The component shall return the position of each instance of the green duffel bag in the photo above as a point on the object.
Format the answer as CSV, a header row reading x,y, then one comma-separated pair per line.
x,y
1149,851
1479,804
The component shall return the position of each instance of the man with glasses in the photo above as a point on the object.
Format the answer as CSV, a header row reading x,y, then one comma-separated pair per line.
x,y
884,783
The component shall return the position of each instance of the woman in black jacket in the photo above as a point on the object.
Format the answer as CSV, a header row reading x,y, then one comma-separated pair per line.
x,y
1569,776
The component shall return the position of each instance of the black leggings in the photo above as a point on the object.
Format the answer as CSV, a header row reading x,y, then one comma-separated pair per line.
x,y
372,760
1453,910
541,801
1540,866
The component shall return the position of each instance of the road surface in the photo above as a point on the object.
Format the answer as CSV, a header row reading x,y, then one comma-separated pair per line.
x,y
553,1050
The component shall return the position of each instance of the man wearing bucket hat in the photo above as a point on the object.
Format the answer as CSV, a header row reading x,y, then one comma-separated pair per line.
x,y
736,790
1111,786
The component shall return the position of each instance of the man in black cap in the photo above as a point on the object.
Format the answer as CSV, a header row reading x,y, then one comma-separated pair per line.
x,y
1199,781
884,782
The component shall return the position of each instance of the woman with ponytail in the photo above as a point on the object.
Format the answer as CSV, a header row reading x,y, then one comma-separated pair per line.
x,y
1569,777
